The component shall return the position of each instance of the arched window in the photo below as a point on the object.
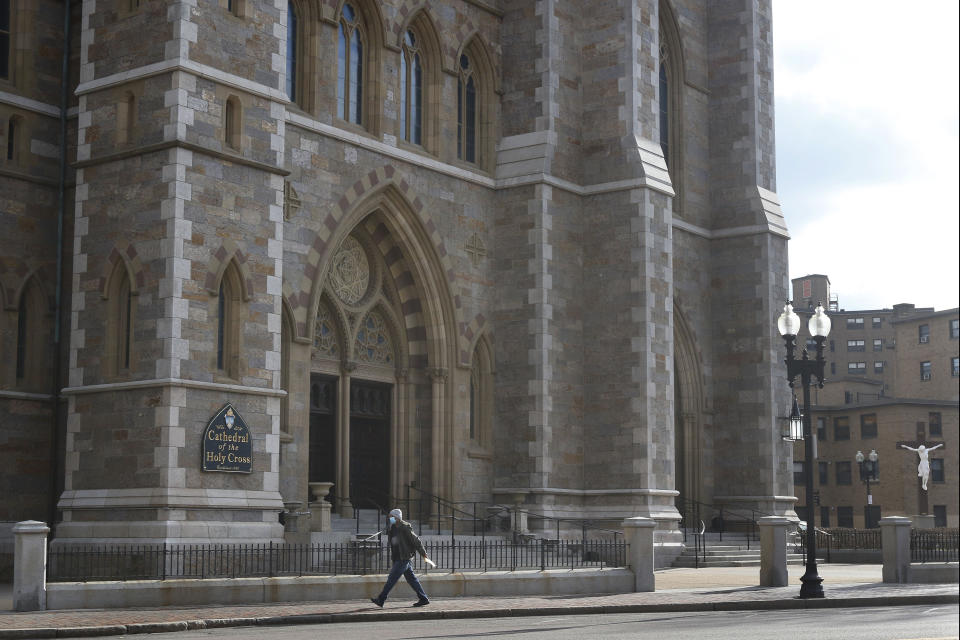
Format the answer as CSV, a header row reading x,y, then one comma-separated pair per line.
x,y
670,90
291,52
350,66
481,395
411,88
120,308
232,119
466,111
32,336
229,296
14,133
126,117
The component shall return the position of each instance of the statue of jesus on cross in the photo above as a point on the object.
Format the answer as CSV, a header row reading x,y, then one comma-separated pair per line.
x,y
923,469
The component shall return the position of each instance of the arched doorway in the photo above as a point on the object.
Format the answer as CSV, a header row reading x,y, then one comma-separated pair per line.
x,y
381,333
688,418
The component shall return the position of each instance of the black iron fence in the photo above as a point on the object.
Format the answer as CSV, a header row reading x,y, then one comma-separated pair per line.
x,y
87,563
852,539
935,545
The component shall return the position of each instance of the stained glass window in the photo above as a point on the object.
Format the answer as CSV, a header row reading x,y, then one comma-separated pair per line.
x,y
325,334
411,85
466,112
350,67
373,340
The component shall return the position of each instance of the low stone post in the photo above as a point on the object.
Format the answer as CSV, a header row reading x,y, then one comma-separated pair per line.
x,y
895,541
773,551
30,566
639,536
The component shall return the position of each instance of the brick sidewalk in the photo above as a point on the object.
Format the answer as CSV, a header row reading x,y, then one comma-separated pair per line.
x,y
51,624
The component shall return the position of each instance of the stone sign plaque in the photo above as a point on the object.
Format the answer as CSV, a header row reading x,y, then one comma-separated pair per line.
x,y
226,443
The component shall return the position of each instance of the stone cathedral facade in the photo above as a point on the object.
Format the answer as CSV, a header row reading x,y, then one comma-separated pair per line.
x,y
504,251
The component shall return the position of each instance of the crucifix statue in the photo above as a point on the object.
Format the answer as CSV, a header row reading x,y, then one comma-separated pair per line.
x,y
923,469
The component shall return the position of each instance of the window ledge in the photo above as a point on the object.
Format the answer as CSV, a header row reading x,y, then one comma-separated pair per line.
x,y
480,454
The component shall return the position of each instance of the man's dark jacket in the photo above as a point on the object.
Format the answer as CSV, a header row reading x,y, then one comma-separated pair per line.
x,y
407,541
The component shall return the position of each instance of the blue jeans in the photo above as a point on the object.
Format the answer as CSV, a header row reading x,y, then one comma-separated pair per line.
x,y
402,567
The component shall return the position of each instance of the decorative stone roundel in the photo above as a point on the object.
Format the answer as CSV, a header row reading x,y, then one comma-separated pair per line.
x,y
350,272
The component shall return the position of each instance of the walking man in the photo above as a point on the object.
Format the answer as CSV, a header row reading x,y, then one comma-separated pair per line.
x,y
404,543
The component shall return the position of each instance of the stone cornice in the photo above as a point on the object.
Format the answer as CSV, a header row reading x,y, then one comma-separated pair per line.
x,y
589,492
23,395
171,382
189,146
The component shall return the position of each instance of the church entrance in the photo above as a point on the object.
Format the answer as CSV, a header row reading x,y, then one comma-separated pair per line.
x,y
370,445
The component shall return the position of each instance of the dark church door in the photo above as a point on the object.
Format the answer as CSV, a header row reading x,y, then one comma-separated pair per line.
x,y
323,432
370,445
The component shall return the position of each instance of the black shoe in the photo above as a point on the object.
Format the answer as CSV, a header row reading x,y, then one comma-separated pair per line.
x,y
421,602
377,602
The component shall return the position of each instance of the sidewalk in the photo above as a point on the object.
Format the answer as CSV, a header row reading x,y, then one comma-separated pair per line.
x,y
677,590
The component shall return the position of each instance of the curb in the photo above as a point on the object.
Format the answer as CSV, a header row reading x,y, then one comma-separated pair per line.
x,y
455,614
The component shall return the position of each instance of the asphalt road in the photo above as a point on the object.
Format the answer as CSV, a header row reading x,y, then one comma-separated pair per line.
x,y
866,623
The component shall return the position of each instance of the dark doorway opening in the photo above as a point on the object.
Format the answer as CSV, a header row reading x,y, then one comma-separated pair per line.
x,y
323,432
370,445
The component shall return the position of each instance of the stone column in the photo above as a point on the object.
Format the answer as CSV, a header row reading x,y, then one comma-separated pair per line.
x,y
30,566
438,441
639,536
895,541
344,508
773,551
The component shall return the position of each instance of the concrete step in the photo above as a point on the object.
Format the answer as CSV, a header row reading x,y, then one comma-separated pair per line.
x,y
689,561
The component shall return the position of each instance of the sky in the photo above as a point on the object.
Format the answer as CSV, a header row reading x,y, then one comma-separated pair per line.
x,y
867,117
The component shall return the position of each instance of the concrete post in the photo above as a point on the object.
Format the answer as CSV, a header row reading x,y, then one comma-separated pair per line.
x,y
30,566
773,551
895,541
639,536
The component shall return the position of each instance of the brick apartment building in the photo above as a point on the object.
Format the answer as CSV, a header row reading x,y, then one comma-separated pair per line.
x,y
892,378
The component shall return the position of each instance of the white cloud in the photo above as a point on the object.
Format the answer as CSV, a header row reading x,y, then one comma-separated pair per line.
x,y
888,75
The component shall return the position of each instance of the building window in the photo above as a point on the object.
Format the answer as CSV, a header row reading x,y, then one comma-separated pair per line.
x,y
229,295
844,475
825,517
466,112
5,39
841,428
833,368
411,89
878,344
833,346
233,6
811,344
126,118
845,517
232,119
926,371
32,338
847,397
119,321
940,515
856,368
936,425
955,366
350,66
878,366
868,425
936,469
924,333
291,52
855,345
823,472
877,322
954,329
821,428
854,323
14,133
664,89
799,472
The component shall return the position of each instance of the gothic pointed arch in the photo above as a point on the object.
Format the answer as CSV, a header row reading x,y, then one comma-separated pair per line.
x,y
361,35
476,103
421,81
222,258
32,341
130,259
480,423
226,310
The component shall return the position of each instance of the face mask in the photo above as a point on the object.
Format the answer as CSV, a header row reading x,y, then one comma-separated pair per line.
x,y
393,521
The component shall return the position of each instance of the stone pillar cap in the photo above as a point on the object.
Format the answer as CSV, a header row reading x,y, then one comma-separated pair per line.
x,y
31,526
774,520
640,521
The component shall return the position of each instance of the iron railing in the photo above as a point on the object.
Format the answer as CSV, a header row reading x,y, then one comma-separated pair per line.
x,y
934,545
85,563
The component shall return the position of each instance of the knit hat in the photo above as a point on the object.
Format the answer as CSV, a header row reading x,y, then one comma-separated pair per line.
x,y
396,513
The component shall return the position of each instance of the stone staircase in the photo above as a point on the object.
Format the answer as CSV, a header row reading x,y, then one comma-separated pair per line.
x,y
732,551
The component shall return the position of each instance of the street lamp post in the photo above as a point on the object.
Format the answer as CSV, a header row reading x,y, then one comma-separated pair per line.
x,y
868,470
789,325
